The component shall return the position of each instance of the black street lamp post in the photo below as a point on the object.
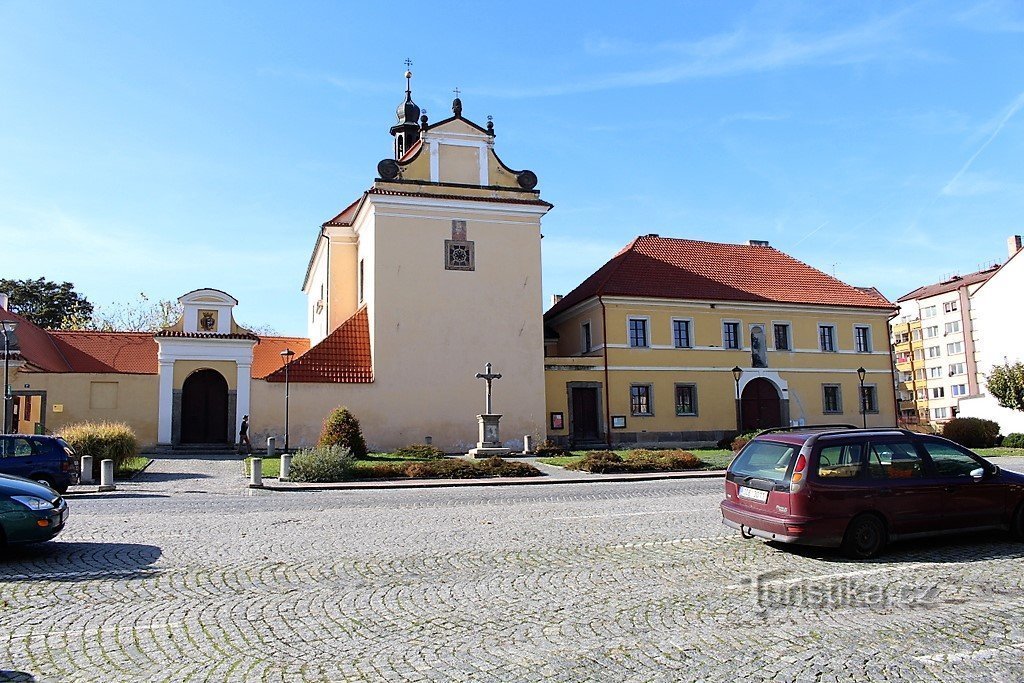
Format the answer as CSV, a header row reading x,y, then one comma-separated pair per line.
x,y
737,372
861,372
287,355
8,329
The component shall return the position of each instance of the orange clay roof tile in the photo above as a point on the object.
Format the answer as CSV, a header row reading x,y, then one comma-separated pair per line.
x,y
657,267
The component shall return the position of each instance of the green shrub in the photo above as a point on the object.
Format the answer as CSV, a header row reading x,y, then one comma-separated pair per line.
x,y
341,428
549,449
972,432
103,441
1014,440
419,451
741,440
321,464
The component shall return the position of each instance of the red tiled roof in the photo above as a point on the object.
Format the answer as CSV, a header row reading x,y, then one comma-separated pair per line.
x,y
131,353
34,345
668,268
346,215
950,285
266,356
341,357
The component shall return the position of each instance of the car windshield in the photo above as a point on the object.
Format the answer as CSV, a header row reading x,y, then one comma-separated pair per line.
x,y
764,460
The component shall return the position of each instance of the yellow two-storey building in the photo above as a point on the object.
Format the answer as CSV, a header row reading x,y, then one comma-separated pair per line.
x,y
678,341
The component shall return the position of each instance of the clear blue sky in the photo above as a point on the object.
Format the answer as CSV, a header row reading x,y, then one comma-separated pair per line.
x,y
162,147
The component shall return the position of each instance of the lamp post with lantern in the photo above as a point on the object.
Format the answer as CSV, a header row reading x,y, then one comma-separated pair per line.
x,y
287,356
737,372
8,330
861,372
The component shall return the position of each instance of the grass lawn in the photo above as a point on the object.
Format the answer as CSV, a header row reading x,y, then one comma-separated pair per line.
x,y
1000,451
713,458
131,467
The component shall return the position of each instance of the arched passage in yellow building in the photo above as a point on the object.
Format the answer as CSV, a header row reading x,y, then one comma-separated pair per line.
x,y
761,404
204,408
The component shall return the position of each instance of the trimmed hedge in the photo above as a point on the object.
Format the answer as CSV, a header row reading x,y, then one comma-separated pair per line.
x,y
639,460
549,449
321,464
972,432
419,451
446,468
341,428
103,441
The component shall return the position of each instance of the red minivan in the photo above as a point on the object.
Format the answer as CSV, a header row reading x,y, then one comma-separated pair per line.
x,y
859,489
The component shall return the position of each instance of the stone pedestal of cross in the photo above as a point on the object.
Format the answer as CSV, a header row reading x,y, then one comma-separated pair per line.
x,y
489,442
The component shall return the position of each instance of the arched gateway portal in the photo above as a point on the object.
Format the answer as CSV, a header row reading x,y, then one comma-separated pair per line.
x,y
204,408
761,405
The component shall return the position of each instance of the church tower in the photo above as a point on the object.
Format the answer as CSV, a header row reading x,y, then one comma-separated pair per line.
x,y
440,260
407,131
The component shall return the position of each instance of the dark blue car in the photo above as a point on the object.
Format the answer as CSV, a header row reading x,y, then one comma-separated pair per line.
x,y
48,460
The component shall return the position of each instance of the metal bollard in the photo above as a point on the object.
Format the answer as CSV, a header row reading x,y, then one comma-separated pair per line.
x,y
286,467
256,473
107,475
271,446
527,444
428,440
86,471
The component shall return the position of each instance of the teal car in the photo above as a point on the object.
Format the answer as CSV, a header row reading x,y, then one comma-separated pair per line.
x,y
29,512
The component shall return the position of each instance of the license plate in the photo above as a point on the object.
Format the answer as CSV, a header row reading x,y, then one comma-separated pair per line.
x,y
754,494
64,516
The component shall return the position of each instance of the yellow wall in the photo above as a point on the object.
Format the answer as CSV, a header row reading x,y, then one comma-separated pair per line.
x,y
459,164
801,371
184,368
136,400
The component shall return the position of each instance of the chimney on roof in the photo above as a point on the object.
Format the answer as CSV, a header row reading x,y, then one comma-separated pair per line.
x,y
1013,245
4,300
555,298
758,243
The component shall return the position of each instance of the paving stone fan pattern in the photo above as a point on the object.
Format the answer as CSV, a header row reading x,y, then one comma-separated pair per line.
x,y
193,578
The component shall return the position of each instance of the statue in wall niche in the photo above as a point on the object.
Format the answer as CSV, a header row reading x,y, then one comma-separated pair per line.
x,y
758,352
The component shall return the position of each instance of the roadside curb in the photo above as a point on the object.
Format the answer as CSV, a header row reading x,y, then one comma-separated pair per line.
x,y
493,481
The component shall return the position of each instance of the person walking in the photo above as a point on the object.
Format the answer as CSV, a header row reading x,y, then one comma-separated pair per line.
x,y
244,445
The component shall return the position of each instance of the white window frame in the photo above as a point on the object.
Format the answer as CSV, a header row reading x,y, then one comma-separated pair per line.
x,y
868,338
689,324
647,331
835,338
931,331
789,334
739,334
586,336
650,399
952,350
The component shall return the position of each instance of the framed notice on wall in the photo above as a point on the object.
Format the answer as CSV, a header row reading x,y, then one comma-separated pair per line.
x,y
557,421
618,421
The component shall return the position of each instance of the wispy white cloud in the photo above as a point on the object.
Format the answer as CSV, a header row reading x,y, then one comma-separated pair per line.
x,y
974,184
1000,122
736,52
993,16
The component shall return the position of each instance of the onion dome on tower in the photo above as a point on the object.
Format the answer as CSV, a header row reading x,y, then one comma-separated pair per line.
x,y
407,130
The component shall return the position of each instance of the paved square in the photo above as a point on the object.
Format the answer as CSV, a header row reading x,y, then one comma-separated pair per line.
x,y
187,576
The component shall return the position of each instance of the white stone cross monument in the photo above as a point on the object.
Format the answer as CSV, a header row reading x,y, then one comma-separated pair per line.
x,y
489,442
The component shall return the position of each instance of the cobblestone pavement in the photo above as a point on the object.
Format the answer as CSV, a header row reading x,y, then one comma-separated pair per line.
x,y
185,575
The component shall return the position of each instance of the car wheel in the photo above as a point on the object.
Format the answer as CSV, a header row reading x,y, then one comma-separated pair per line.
x,y
865,537
1017,527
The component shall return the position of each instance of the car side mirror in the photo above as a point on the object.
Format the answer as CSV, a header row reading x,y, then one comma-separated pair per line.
x,y
978,474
